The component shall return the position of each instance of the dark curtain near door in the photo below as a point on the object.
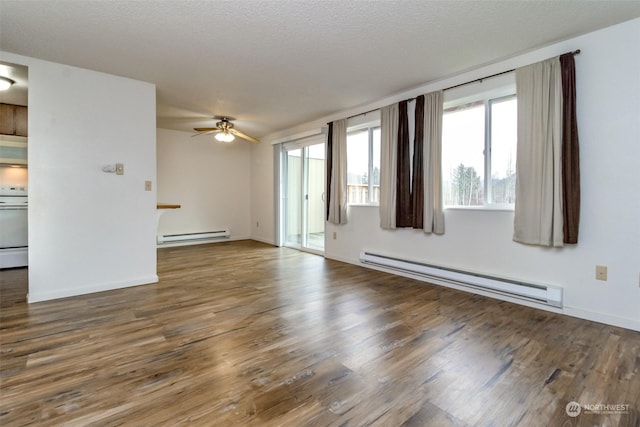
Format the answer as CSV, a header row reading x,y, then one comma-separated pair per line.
x,y
417,188
404,207
329,158
570,151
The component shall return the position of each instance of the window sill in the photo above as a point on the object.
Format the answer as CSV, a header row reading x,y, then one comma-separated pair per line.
x,y
479,208
363,205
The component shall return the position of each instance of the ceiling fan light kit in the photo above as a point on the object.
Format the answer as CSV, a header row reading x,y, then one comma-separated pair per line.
x,y
5,83
224,131
224,137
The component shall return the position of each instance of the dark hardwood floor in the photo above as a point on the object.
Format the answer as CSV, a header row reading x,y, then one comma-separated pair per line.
x,y
242,333
13,286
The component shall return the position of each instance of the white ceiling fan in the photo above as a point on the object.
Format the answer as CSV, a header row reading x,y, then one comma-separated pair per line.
x,y
225,131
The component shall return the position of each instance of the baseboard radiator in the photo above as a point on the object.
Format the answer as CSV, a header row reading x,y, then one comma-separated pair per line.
x,y
193,237
545,294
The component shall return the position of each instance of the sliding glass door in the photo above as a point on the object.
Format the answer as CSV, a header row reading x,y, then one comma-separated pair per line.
x,y
293,197
314,210
303,186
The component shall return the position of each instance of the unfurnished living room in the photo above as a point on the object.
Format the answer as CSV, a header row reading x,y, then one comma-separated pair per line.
x,y
319,213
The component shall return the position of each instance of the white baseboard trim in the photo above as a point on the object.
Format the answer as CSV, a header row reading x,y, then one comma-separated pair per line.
x,y
262,240
607,319
200,242
33,297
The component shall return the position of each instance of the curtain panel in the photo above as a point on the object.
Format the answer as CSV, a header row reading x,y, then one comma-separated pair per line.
x,y
433,203
337,200
404,208
329,163
417,183
538,218
570,151
388,164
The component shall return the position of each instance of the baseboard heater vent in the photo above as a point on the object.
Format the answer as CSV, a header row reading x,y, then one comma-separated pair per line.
x,y
193,237
545,294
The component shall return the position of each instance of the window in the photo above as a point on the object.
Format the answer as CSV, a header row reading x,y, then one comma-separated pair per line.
x,y
363,166
479,153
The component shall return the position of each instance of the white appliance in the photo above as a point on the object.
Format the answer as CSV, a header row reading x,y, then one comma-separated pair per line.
x,y
13,227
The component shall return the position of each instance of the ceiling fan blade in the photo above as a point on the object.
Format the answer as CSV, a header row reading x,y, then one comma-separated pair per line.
x,y
244,136
205,131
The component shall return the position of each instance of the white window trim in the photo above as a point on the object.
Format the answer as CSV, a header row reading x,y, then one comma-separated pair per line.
x,y
361,122
495,89
369,125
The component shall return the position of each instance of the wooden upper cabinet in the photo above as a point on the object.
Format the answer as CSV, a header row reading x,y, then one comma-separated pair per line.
x,y
7,119
21,120
13,120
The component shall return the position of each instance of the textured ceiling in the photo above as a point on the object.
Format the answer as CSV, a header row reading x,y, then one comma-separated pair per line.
x,y
275,64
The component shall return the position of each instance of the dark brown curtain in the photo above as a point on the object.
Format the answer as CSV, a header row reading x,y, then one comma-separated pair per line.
x,y
417,188
404,209
570,151
329,158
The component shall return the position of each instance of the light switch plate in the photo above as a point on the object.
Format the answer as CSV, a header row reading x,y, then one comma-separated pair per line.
x,y
601,272
147,186
119,168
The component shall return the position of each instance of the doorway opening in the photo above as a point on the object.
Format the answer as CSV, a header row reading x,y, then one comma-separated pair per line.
x,y
14,237
303,182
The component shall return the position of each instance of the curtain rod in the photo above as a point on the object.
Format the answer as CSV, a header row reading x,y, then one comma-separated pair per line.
x,y
575,52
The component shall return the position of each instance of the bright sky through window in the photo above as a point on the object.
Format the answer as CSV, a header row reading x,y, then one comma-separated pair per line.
x,y
363,166
469,177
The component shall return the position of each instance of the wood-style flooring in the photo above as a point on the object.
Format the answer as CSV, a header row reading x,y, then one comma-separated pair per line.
x,y
242,333
13,286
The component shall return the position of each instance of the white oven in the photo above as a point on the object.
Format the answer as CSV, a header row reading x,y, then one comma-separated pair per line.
x,y
13,227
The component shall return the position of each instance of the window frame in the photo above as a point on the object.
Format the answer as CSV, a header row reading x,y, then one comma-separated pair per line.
x,y
488,146
487,99
370,127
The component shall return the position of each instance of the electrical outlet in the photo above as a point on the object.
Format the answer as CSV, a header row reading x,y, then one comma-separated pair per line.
x,y
257,224
147,186
601,272
335,235
119,168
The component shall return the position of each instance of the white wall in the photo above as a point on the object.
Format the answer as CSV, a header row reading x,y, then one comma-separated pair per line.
x,y
209,179
88,230
609,126
263,220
